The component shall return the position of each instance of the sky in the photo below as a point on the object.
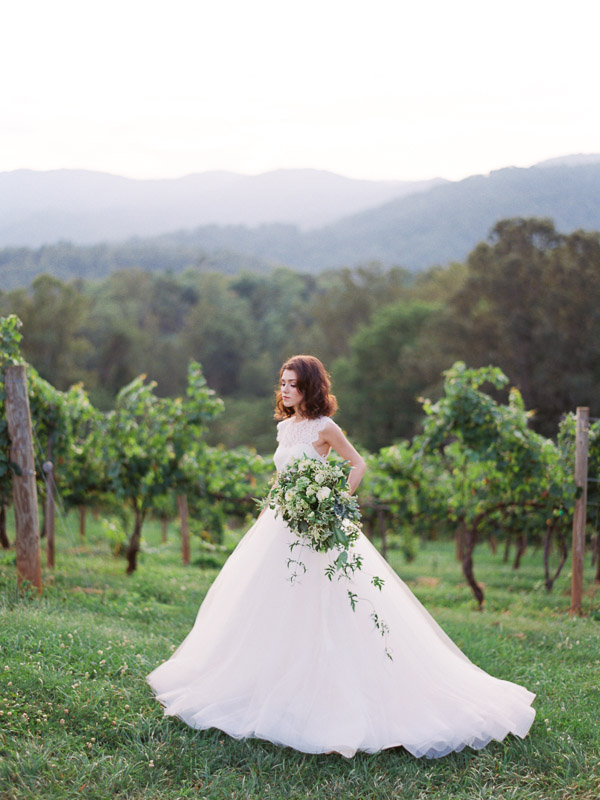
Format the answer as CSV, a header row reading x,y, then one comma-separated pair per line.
x,y
375,89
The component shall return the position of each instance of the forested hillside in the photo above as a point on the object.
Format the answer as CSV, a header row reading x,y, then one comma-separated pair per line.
x,y
415,232
20,265
526,301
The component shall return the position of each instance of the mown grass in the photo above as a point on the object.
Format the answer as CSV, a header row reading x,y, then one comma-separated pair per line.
x,y
78,720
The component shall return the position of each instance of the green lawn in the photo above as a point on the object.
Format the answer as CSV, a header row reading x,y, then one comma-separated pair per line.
x,y
78,720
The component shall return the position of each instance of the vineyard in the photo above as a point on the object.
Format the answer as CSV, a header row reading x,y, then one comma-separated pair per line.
x,y
147,456
476,490
477,473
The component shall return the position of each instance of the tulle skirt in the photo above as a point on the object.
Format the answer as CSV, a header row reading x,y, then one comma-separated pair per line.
x,y
291,662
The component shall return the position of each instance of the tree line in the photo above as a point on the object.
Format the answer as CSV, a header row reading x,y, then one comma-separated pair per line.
x,y
525,301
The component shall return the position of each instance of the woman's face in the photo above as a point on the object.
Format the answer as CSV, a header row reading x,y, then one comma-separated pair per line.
x,y
290,396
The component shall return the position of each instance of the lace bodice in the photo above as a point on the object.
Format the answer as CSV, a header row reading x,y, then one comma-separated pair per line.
x,y
297,439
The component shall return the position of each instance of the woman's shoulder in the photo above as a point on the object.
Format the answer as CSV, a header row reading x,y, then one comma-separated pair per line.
x,y
281,427
322,422
328,424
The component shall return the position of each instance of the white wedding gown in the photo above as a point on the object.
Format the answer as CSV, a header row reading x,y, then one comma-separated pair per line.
x,y
292,663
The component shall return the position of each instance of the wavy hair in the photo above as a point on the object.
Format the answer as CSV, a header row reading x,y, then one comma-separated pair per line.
x,y
313,381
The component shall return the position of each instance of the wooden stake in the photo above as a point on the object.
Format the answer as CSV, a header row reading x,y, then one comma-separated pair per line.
x,y
82,521
4,543
50,515
29,563
182,508
580,512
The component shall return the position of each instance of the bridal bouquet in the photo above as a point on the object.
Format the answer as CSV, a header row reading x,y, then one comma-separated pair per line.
x,y
313,500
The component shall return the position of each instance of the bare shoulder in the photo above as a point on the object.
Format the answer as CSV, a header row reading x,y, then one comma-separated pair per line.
x,y
281,426
334,437
331,428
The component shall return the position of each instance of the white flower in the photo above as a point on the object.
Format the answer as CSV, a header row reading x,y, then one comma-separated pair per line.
x,y
323,493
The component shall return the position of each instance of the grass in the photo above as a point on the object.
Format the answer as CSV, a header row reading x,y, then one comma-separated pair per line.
x,y
78,720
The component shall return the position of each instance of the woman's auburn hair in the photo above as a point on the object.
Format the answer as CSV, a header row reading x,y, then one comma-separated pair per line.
x,y
313,382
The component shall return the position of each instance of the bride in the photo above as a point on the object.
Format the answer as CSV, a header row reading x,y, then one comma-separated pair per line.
x,y
293,663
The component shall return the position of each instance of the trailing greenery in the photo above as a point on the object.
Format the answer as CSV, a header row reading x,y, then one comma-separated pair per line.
x,y
78,720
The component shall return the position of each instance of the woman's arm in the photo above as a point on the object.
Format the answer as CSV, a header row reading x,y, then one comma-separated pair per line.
x,y
332,436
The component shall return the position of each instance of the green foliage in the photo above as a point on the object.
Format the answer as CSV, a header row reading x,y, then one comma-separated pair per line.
x,y
529,304
518,302
10,337
154,446
140,455
347,299
54,314
414,491
221,486
387,367
115,534
477,467
81,470
68,262
144,439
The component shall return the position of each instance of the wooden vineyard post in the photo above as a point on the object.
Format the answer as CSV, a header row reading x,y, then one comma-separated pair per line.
x,y
182,508
29,563
82,521
4,543
50,512
580,512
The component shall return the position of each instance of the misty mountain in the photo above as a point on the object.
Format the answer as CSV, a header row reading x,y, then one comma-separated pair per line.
x,y
446,222
418,231
430,227
570,161
87,207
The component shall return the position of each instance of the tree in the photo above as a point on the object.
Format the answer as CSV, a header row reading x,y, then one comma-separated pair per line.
x,y
53,314
218,332
478,471
388,367
281,318
529,304
148,442
80,470
496,462
347,299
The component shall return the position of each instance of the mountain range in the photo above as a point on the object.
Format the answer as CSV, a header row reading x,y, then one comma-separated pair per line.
x,y
87,207
415,225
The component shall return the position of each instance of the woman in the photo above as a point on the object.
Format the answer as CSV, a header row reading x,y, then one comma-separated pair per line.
x,y
293,663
